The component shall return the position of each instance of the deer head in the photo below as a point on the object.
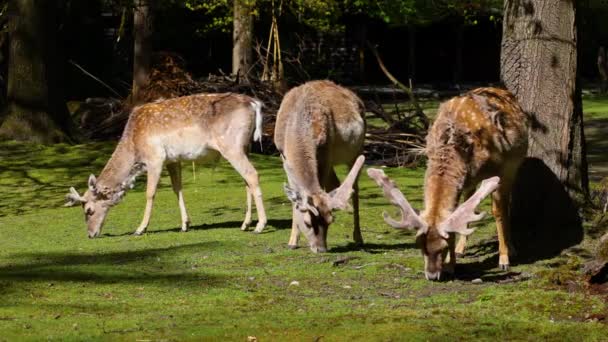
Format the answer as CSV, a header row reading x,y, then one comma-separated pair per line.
x,y
95,204
313,211
433,240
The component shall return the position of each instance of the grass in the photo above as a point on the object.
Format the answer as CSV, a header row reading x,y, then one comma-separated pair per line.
x,y
595,108
218,283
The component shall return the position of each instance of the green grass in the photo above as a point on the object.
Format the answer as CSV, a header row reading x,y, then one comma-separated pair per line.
x,y
595,110
218,283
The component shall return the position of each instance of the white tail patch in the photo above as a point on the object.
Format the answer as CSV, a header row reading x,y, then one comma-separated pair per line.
x,y
257,107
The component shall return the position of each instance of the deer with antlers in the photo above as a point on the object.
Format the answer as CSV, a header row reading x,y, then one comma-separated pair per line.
x,y
320,125
196,127
480,136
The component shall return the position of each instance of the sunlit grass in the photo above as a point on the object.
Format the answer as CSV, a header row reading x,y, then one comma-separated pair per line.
x,y
216,282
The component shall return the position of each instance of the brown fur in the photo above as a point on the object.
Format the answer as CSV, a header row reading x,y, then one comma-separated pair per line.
x,y
201,126
319,125
478,135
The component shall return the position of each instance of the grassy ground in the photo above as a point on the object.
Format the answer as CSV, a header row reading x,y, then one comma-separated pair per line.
x,y
218,283
596,126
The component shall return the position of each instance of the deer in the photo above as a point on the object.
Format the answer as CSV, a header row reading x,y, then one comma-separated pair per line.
x,y
320,125
199,127
478,137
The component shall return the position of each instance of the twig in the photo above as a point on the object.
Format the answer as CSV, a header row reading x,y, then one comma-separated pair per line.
x,y
95,78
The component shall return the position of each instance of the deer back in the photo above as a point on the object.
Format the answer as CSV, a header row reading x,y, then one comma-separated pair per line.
x,y
319,124
480,130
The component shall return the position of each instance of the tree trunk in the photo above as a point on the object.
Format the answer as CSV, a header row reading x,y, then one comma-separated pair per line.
x,y
457,77
411,65
142,46
539,65
361,38
36,111
242,39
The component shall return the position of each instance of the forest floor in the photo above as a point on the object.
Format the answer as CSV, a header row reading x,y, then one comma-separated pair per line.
x,y
219,283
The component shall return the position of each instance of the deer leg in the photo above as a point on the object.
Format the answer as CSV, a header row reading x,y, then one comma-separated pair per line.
x,y
154,172
247,221
331,182
357,229
449,264
242,165
500,210
175,172
462,239
295,232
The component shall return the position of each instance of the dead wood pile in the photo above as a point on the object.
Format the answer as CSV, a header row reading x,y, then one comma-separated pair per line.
x,y
100,119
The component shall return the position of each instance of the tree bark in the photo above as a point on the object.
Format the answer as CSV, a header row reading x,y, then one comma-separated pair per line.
x,y
242,39
36,110
539,65
142,46
411,43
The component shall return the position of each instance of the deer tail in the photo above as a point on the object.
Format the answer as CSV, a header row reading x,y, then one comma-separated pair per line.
x,y
257,133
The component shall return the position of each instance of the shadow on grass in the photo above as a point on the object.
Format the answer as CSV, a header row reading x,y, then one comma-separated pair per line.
x,y
276,224
544,220
67,267
372,248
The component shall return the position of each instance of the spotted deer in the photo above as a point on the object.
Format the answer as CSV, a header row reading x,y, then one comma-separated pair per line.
x,y
320,125
481,135
197,127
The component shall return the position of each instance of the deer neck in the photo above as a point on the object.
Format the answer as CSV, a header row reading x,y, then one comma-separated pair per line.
x,y
120,171
443,184
301,158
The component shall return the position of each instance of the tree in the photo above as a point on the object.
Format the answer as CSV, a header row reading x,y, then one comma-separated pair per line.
x,y
142,46
36,110
242,36
539,65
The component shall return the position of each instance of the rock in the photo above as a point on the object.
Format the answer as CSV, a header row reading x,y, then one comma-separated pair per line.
x,y
477,281
294,283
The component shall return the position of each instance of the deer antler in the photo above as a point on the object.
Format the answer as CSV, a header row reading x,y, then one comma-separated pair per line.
x,y
465,213
339,197
73,198
409,218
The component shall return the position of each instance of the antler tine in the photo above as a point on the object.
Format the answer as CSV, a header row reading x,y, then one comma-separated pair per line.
x,y
73,197
409,218
465,213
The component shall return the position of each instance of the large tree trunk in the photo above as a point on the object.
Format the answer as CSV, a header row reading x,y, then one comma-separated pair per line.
x,y
411,43
36,110
242,39
142,46
539,65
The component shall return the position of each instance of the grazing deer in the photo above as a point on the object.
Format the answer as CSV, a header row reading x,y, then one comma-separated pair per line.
x,y
197,127
478,135
319,125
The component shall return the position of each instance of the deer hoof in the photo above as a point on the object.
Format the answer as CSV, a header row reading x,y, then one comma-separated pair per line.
x,y
459,255
292,246
503,262
138,233
260,227
185,227
245,225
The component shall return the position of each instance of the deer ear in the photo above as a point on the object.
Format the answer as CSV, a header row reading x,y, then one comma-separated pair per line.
x,y
92,182
301,203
